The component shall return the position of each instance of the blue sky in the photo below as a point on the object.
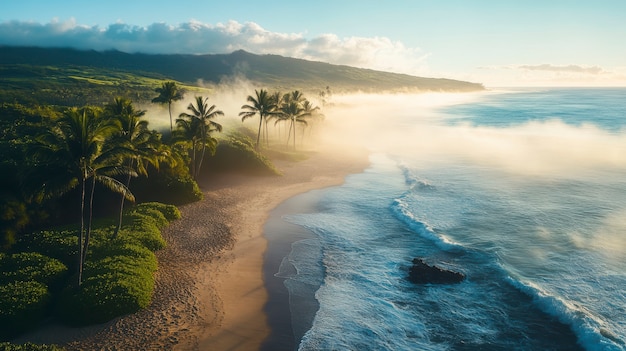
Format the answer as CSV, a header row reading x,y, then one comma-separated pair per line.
x,y
499,43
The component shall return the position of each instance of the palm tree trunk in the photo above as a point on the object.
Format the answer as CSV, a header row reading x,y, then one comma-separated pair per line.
x,y
294,132
81,235
193,159
119,222
258,136
289,133
200,162
267,134
90,219
169,107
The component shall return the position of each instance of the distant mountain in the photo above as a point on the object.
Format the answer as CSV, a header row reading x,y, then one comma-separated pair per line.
x,y
270,71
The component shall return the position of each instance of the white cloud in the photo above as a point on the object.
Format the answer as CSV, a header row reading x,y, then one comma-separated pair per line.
x,y
551,75
195,37
567,68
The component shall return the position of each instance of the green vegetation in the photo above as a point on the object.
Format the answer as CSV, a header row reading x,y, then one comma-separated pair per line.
x,y
5,346
194,130
168,93
118,273
236,154
72,248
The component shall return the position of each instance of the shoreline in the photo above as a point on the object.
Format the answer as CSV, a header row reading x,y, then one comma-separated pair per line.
x,y
241,285
286,305
210,291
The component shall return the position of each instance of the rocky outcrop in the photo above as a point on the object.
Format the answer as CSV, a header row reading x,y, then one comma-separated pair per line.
x,y
423,273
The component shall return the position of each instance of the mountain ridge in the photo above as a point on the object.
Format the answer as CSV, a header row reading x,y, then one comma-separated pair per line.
x,y
270,70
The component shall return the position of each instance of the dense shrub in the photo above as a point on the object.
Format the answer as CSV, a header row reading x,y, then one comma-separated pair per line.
x,y
113,286
5,346
142,230
237,154
152,214
59,244
22,306
174,189
143,224
170,212
182,190
139,255
117,277
31,266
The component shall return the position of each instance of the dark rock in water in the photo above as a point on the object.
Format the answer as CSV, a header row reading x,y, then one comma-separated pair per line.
x,y
422,273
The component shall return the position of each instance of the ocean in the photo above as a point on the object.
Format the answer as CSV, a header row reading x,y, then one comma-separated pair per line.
x,y
523,191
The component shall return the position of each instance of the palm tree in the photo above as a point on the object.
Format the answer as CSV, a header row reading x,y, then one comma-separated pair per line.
x,y
168,93
263,105
197,127
292,109
144,146
277,98
294,113
74,151
311,111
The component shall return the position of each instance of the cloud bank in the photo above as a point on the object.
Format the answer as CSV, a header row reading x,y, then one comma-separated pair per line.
x,y
550,74
200,38
569,68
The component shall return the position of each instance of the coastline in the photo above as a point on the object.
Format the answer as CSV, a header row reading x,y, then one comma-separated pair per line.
x,y
239,277
290,312
210,291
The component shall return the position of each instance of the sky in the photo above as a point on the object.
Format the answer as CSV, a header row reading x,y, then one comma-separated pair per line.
x,y
494,42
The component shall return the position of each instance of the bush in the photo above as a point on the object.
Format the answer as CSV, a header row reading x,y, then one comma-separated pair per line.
x,y
137,255
22,306
238,155
5,346
170,212
182,190
113,286
177,189
31,266
59,244
142,230
117,278
151,214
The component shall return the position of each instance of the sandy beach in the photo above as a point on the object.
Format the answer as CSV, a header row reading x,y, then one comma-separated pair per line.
x,y
210,293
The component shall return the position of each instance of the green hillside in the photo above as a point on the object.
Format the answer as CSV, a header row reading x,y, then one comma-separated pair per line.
x,y
58,75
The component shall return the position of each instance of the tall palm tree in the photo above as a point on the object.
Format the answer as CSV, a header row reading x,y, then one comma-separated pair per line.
x,y
292,110
144,146
168,93
198,125
263,105
311,111
277,99
75,153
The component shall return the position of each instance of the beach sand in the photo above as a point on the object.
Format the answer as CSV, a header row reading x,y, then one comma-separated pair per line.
x,y
210,293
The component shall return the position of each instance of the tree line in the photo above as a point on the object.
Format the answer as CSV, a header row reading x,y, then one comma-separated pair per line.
x,y
89,149
76,170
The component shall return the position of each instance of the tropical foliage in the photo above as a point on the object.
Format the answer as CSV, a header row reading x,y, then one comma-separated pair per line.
x,y
75,147
291,108
29,346
194,132
88,173
168,93
263,105
143,145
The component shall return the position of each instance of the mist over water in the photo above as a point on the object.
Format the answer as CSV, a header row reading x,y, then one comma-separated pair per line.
x,y
524,192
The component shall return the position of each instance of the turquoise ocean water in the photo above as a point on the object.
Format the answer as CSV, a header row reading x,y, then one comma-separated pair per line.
x,y
523,191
